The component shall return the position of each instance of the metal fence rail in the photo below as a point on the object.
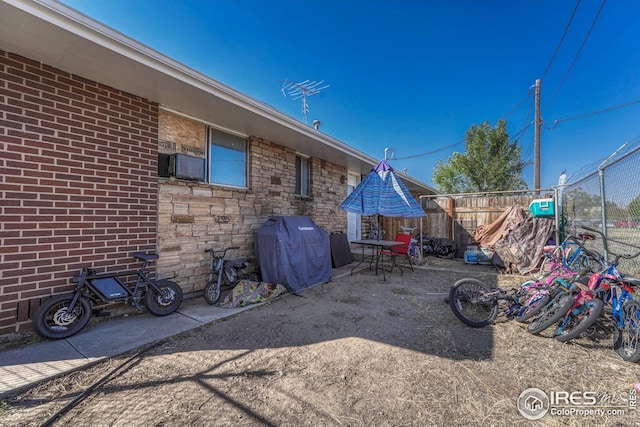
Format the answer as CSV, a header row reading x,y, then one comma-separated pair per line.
x,y
608,200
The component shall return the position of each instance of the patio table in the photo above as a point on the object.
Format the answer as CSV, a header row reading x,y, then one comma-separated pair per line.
x,y
377,254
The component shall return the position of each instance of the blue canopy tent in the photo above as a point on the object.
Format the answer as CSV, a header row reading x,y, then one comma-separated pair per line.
x,y
382,193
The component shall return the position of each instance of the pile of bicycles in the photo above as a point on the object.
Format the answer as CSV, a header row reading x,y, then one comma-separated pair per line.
x,y
577,287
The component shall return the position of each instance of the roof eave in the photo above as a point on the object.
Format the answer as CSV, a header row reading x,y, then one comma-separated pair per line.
x,y
52,33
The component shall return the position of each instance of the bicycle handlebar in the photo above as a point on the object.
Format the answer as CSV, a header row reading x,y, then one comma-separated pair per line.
x,y
223,251
606,246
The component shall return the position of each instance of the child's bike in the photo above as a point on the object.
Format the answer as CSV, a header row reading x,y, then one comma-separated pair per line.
x,y
607,286
477,305
579,291
625,313
225,272
558,278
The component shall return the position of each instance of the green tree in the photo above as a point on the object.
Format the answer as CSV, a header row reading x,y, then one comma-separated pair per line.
x,y
490,163
613,211
634,209
580,205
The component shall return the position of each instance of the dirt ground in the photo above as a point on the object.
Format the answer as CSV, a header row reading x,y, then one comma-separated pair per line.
x,y
356,351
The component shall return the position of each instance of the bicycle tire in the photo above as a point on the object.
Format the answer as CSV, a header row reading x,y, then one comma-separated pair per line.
x,y
579,320
468,304
166,302
212,292
552,312
626,341
533,306
52,322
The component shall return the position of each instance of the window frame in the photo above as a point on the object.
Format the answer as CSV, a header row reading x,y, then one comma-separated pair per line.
x,y
211,143
303,170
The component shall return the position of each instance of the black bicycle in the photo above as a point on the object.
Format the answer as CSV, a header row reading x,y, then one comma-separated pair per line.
x,y
225,272
62,316
477,305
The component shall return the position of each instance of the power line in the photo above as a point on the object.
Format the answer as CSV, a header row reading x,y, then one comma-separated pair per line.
x,y
463,141
527,154
528,123
566,30
593,113
591,168
517,106
429,152
575,59
521,132
527,120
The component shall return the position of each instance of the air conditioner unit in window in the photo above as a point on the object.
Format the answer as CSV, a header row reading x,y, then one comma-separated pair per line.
x,y
186,167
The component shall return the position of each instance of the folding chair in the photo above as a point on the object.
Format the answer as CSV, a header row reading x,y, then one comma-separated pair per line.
x,y
400,250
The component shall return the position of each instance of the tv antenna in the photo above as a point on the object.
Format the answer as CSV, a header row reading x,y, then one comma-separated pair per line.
x,y
301,91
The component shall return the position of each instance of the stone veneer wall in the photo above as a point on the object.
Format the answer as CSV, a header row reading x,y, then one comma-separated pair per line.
x,y
79,188
196,216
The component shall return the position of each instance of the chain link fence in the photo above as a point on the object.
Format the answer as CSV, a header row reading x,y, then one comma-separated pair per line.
x,y
607,200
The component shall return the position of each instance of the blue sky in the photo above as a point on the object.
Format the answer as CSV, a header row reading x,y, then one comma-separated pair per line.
x,y
414,75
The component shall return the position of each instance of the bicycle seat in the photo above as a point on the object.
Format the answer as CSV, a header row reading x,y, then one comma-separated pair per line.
x,y
241,262
581,286
145,257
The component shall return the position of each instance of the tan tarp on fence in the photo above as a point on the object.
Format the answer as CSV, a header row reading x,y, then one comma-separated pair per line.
x,y
489,235
517,242
521,249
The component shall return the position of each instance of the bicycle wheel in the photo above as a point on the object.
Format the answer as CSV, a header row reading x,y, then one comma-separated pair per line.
x,y
626,341
552,312
165,302
579,320
533,306
470,302
52,321
212,292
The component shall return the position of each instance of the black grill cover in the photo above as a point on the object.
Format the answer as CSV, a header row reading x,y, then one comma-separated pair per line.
x,y
293,251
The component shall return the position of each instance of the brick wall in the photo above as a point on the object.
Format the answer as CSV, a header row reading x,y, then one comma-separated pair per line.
x,y
78,184
79,187
192,216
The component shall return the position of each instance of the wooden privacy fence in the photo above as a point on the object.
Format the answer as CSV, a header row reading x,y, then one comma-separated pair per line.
x,y
456,216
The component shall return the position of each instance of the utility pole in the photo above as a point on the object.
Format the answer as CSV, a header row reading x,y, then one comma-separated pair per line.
x,y
536,141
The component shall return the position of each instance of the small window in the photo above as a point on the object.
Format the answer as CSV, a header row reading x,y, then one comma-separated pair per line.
x,y
227,159
302,175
